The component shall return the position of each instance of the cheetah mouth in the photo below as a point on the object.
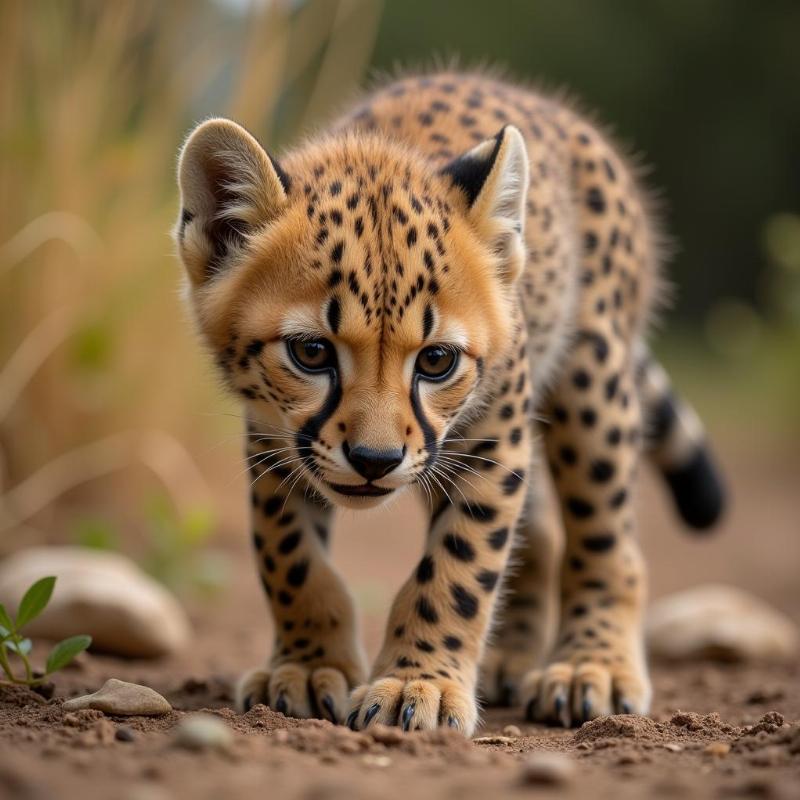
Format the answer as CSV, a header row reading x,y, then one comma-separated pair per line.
x,y
362,490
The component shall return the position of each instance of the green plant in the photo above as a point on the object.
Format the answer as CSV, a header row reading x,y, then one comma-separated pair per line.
x,y
12,640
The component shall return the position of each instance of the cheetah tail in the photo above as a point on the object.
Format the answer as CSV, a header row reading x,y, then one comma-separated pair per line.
x,y
676,443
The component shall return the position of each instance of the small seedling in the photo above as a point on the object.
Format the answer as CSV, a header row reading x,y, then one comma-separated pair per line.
x,y
13,641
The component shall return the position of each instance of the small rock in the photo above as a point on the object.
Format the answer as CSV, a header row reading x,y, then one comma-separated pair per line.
x,y
512,730
717,749
124,734
123,699
720,622
376,761
547,769
673,747
102,594
203,732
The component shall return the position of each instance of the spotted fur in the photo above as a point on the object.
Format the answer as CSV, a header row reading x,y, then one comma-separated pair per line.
x,y
449,219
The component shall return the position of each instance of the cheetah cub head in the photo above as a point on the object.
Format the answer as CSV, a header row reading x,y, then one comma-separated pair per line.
x,y
357,297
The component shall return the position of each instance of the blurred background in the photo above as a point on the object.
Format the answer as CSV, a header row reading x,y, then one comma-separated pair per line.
x,y
113,431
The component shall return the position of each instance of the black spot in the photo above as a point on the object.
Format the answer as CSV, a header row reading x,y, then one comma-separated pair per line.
x,y
459,547
507,411
576,563
335,278
497,539
426,611
334,314
336,253
600,542
581,379
258,540
479,511
284,598
426,647
618,498
488,579
452,642
515,437
425,569
399,631
358,226
272,505
560,414
568,455
594,583
601,471
512,482
289,542
411,236
595,200
588,417
286,519
336,187
254,348
612,384
466,603
579,611
269,563
581,509
614,436
427,322
403,661
296,576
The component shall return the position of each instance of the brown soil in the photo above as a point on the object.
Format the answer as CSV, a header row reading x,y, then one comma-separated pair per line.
x,y
716,730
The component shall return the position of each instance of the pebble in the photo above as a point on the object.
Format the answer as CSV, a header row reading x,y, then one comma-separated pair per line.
x,y
673,747
547,769
122,699
124,734
105,595
717,749
720,622
512,730
203,732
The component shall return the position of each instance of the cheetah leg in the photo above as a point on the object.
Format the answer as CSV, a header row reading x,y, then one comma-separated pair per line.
x,y
316,658
525,626
598,665
426,673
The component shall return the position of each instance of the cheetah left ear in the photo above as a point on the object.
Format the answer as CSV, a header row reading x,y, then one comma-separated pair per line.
x,y
494,176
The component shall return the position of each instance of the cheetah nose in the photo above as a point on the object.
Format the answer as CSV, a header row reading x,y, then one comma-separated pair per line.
x,y
373,464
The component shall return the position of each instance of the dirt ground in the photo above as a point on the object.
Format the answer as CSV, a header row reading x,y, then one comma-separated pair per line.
x,y
716,730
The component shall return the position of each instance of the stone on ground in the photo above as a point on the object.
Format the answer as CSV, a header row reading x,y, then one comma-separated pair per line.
x,y
203,732
122,699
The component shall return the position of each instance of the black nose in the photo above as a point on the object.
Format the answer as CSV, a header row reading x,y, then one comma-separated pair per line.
x,y
372,464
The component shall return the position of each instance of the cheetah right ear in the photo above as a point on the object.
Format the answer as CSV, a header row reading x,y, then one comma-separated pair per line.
x,y
494,176
230,186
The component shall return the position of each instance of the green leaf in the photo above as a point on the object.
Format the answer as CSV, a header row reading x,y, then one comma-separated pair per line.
x,y
35,600
21,648
65,651
5,621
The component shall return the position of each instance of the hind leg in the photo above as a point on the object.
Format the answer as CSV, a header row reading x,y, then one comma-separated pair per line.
x,y
593,445
525,624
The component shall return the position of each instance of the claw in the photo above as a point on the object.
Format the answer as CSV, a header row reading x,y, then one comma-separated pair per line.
x,y
351,720
281,705
408,713
371,712
248,703
560,704
626,707
327,704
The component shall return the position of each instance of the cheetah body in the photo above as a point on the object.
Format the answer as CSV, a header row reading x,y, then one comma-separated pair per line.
x,y
464,213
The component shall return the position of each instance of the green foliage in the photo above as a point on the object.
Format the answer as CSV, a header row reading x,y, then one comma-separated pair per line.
x,y
12,641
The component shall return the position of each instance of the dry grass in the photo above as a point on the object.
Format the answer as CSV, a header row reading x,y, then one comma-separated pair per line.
x,y
94,100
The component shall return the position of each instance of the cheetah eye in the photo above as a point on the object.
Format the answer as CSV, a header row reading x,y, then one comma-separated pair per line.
x,y
311,355
436,362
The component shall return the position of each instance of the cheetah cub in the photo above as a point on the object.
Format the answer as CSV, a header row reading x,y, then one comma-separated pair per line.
x,y
457,276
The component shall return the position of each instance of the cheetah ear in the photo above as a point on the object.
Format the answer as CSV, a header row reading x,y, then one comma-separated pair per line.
x,y
229,186
494,177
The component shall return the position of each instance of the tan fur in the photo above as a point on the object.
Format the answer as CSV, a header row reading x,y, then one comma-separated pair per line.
x,y
545,279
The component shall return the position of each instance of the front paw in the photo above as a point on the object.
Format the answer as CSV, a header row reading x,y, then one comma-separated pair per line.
x,y
296,690
574,689
422,702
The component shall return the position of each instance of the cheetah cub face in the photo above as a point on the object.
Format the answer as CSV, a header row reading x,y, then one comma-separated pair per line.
x,y
357,299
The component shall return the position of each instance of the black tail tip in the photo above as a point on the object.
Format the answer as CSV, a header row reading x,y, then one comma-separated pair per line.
x,y
698,490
